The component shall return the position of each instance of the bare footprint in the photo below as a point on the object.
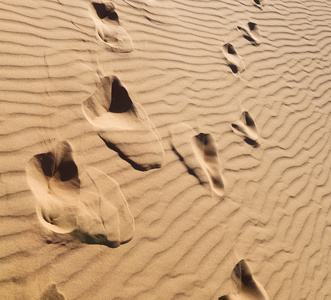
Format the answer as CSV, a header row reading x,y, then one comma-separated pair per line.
x,y
124,125
52,293
248,288
247,129
89,207
198,151
251,33
108,27
234,60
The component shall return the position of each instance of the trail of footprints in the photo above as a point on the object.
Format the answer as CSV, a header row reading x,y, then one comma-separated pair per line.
x,y
86,204
250,32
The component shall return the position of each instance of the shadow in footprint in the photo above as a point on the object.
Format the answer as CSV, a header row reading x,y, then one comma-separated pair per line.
x,y
234,60
247,286
251,33
108,27
53,178
205,149
258,3
198,152
247,129
52,294
123,125
77,205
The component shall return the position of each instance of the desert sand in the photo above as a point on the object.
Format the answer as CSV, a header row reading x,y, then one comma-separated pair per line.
x,y
155,149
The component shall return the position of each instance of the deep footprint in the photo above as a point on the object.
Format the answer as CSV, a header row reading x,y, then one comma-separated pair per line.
x,y
234,60
247,129
90,207
108,27
246,284
198,152
251,33
124,125
53,179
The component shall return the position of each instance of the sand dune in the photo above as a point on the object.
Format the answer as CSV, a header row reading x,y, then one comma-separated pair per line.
x,y
78,218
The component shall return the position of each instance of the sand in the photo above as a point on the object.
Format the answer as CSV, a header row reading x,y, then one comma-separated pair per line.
x,y
165,149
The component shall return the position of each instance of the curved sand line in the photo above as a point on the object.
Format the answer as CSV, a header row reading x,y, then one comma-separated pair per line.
x,y
185,141
124,125
234,60
248,287
251,33
247,129
90,207
108,27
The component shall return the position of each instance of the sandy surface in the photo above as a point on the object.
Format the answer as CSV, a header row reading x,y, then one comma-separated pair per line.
x,y
155,149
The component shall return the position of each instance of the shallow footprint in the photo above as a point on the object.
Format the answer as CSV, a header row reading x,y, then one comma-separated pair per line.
x,y
251,33
91,207
53,179
247,129
106,217
234,60
205,149
247,286
198,150
108,27
124,125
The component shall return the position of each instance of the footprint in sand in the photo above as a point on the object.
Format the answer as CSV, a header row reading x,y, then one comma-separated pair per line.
x,y
258,3
72,202
108,27
248,288
251,33
202,148
124,125
234,60
52,293
247,129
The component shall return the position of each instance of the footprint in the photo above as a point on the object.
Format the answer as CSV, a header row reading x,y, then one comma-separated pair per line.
x,y
247,129
202,148
53,179
234,60
52,294
251,33
258,3
105,217
124,125
247,286
89,207
108,27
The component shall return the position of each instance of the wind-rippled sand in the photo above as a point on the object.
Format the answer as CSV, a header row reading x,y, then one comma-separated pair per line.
x,y
204,150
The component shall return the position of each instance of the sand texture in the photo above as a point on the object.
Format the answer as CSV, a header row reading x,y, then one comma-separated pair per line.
x,y
155,149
